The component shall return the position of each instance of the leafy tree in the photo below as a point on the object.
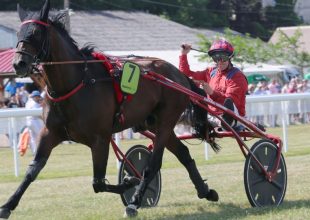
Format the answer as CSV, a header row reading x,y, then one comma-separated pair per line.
x,y
254,50
289,49
247,49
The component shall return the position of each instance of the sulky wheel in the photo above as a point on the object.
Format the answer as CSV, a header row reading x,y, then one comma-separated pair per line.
x,y
259,190
139,155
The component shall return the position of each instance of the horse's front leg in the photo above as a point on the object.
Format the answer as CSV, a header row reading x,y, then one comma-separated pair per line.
x,y
100,153
47,142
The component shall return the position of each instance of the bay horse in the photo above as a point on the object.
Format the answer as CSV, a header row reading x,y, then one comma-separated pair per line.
x,y
86,107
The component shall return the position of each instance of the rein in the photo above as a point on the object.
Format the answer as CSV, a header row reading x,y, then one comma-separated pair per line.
x,y
94,61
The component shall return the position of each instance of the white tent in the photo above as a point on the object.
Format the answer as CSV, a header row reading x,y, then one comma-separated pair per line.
x,y
282,72
262,68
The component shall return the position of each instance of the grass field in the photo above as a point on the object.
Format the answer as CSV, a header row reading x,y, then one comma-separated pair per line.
x,y
64,191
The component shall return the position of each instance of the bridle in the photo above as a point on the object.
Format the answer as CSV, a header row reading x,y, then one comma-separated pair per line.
x,y
43,52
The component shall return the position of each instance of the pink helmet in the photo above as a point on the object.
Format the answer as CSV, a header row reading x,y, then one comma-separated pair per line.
x,y
221,45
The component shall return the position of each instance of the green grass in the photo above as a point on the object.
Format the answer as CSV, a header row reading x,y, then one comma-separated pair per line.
x,y
63,189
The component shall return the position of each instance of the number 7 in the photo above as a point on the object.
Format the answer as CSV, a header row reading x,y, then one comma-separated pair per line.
x,y
133,67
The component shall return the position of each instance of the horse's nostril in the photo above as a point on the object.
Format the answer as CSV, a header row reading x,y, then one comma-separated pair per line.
x,y
19,65
22,64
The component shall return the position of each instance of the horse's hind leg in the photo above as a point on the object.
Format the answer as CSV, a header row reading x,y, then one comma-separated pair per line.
x,y
182,153
100,154
47,142
153,166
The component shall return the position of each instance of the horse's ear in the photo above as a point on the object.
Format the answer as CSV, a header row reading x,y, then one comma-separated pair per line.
x,y
44,11
21,12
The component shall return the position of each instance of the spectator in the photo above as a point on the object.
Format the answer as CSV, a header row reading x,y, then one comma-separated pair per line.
x,y
293,106
34,123
13,103
251,88
261,89
252,106
22,95
274,88
11,87
306,86
2,103
306,89
284,88
1,88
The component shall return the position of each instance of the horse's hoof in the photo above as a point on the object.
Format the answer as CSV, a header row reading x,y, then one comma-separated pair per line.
x,y
4,213
131,211
212,196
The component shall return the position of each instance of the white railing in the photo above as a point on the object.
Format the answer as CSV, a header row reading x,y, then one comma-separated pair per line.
x,y
13,120
280,105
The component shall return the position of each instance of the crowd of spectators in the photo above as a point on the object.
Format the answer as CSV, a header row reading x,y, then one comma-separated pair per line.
x,y
274,87
295,85
13,95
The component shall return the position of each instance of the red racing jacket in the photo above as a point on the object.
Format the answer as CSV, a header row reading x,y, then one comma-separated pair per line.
x,y
230,83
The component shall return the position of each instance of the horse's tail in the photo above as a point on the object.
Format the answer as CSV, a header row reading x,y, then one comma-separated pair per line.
x,y
200,119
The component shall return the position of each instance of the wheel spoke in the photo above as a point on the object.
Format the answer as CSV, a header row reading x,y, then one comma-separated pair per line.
x,y
129,170
277,184
272,160
259,179
255,167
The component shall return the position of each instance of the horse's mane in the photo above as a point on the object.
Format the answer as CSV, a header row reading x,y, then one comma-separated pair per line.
x,y
57,22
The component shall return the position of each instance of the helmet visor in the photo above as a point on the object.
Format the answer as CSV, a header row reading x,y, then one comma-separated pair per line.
x,y
220,56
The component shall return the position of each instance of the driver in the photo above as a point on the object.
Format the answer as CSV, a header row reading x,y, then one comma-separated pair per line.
x,y
223,83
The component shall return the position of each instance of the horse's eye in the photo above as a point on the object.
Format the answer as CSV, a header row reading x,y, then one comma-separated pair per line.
x,y
37,33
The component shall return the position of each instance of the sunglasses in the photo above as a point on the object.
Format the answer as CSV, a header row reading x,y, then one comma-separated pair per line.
x,y
217,57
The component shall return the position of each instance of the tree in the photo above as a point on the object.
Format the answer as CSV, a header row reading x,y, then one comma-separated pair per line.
x,y
281,15
289,49
247,17
254,50
247,49
244,16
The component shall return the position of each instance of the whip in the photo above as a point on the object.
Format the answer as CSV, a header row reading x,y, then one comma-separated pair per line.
x,y
201,51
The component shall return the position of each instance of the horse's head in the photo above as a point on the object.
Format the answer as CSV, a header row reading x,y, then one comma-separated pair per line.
x,y
32,46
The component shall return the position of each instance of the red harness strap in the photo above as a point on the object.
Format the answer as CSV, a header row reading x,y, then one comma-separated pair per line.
x,y
107,64
71,93
35,21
